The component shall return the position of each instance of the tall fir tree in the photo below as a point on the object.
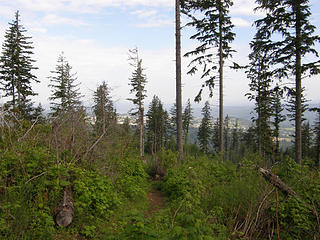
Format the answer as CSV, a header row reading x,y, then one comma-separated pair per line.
x,y
213,31
290,37
187,119
205,128
226,136
215,136
103,108
157,119
277,116
16,69
307,136
138,81
235,141
65,95
173,120
178,78
260,87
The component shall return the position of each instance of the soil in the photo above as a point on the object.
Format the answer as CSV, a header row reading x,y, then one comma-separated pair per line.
x,y
156,199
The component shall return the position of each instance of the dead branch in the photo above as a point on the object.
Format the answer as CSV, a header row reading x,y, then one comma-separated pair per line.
x,y
10,215
41,174
29,130
94,144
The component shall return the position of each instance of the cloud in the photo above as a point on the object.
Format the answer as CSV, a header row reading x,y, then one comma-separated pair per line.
x,y
87,6
6,11
245,8
40,5
144,13
52,19
156,22
240,22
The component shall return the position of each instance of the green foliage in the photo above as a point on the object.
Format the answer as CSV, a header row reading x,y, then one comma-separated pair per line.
x,y
16,69
94,194
137,227
132,178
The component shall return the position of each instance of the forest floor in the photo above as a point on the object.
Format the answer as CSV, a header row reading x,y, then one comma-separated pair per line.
x,y
157,200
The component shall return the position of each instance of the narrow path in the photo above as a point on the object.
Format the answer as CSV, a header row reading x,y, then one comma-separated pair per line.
x,y
156,199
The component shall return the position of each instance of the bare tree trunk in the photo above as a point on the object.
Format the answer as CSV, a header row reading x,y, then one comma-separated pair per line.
x,y
220,81
178,82
298,120
277,182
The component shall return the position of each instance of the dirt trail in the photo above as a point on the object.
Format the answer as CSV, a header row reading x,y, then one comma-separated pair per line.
x,y
156,199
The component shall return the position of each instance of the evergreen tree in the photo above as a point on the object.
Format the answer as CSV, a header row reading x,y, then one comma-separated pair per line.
x,y
316,132
187,121
277,116
249,141
38,114
65,95
214,30
260,87
215,136
290,37
226,134
205,128
172,128
235,140
157,119
16,66
307,136
138,81
103,108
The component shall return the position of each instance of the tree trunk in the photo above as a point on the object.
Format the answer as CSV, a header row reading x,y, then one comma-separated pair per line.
x,y
178,82
141,133
220,81
277,182
298,119
65,211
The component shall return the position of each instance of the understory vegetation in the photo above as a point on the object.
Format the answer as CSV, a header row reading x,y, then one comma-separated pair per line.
x,y
206,197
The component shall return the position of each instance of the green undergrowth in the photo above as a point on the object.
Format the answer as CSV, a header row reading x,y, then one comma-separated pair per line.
x,y
205,196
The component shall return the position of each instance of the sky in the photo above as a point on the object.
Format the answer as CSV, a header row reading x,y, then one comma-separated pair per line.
x,y
95,36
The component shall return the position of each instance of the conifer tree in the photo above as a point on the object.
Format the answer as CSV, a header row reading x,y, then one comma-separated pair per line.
x,y
138,81
290,37
205,128
214,31
260,87
215,136
38,114
103,108
187,119
65,96
226,134
235,140
16,66
277,116
316,132
307,136
157,119
178,79
173,120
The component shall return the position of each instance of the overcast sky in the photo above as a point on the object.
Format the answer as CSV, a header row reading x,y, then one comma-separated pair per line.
x,y
95,36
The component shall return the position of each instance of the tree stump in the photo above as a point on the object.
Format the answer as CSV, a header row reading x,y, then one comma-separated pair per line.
x,y
65,211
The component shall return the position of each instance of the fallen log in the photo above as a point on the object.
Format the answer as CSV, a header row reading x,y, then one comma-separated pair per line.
x,y
64,214
276,181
